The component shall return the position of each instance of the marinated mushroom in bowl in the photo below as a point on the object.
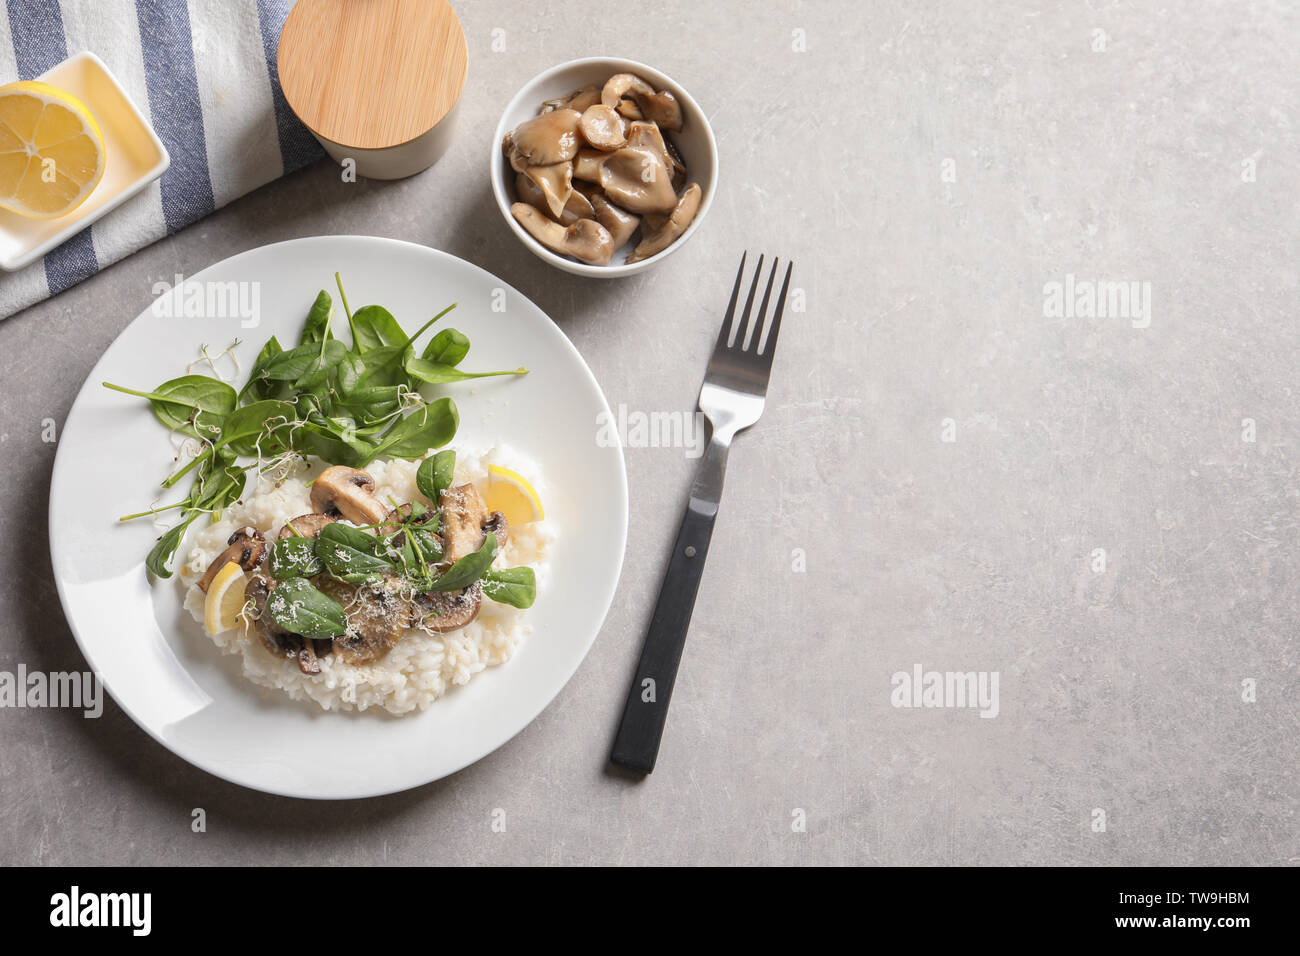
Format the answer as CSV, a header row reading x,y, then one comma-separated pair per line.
x,y
596,171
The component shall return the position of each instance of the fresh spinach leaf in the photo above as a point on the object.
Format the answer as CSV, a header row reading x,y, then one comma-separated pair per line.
x,y
436,373
447,348
162,552
300,609
436,474
374,327
350,554
194,405
317,326
295,558
430,426
514,586
469,568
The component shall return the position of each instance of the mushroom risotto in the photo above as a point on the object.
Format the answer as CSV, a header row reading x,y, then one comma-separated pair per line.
x,y
372,587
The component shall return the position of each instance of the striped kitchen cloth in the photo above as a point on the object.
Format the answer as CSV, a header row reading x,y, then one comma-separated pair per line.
x,y
204,72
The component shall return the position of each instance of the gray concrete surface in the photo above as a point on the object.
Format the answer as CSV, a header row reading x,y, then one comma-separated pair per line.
x,y
930,168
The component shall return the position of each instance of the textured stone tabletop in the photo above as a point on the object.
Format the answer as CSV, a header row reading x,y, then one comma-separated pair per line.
x,y
962,466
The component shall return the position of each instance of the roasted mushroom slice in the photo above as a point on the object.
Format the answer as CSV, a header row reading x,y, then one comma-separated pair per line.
x,y
578,206
603,128
463,516
444,611
544,140
304,526
555,183
378,614
347,491
636,178
496,524
663,237
585,239
577,100
246,547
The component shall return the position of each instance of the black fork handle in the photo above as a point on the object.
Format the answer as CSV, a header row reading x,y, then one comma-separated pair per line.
x,y
637,744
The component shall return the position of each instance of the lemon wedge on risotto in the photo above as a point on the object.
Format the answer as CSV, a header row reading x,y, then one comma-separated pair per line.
x,y
51,150
225,600
510,493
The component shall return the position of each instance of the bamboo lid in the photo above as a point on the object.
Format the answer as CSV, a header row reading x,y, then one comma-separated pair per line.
x,y
371,74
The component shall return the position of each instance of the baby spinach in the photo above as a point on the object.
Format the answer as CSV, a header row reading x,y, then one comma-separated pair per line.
x,y
194,405
295,558
469,568
317,326
258,385
374,327
514,586
162,552
436,373
259,427
350,554
436,474
300,609
448,347
430,426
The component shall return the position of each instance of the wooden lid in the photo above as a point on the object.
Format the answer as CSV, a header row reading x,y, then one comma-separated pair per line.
x,y
370,74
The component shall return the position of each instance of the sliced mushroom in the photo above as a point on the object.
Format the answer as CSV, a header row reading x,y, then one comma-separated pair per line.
x,y
636,178
603,128
622,85
586,165
661,107
304,526
586,240
443,611
577,100
347,491
578,206
463,516
497,525
544,140
663,237
618,222
555,183
378,614
649,135
246,547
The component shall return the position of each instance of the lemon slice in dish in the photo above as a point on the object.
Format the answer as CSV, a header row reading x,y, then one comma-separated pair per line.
x,y
51,150
510,493
225,599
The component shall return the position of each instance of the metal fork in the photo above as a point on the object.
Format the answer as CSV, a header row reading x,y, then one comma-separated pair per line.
x,y
732,397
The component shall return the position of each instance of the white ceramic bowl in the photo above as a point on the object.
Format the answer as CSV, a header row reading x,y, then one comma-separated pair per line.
x,y
695,142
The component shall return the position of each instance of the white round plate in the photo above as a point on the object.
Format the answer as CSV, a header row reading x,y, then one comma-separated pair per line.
x,y
158,663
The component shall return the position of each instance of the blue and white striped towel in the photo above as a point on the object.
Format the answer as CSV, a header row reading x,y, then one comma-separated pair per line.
x,y
204,72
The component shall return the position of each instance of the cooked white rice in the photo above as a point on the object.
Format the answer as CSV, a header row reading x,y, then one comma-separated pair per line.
x,y
421,667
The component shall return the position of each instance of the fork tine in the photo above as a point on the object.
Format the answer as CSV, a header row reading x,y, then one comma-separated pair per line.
x,y
749,307
724,334
769,344
761,319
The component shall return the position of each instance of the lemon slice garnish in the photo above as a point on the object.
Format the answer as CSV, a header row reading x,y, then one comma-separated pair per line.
x,y
51,150
225,599
510,493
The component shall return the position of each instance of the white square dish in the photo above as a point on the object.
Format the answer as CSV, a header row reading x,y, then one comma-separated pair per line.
x,y
134,157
